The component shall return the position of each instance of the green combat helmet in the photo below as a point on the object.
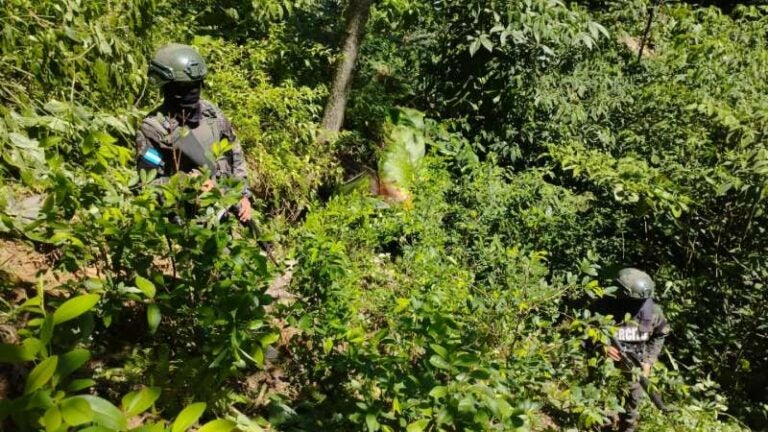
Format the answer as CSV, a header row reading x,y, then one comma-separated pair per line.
x,y
177,63
636,283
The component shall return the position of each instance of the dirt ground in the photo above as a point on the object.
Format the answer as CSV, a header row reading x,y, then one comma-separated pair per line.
x,y
20,265
633,44
21,261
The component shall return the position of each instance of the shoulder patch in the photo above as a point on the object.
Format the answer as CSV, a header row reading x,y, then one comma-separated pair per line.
x,y
153,128
209,109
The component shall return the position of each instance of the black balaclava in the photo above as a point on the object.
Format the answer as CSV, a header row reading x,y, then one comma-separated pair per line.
x,y
182,100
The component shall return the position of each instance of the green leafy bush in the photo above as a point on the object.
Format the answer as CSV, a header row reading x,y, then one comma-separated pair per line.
x,y
551,156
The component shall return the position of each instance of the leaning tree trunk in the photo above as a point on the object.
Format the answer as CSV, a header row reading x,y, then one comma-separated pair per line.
x,y
356,17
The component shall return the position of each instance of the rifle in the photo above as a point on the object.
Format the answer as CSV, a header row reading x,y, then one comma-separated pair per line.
x,y
630,361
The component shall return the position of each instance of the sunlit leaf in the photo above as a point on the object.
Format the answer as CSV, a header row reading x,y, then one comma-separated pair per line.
x,y
75,307
76,411
139,401
72,361
52,419
41,374
146,286
188,417
218,425
105,414
153,317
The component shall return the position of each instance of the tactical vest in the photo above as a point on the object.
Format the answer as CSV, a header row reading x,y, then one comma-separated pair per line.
x,y
185,149
632,333
640,335
633,339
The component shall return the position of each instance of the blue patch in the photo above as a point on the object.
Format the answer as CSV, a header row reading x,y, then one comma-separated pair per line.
x,y
152,156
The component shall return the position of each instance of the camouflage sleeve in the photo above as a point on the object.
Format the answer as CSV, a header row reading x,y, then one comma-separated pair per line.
x,y
145,147
236,156
661,329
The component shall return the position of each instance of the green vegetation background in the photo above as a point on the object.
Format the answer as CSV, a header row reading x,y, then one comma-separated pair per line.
x,y
553,157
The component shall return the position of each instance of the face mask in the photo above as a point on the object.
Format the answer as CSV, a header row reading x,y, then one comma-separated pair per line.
x,y
183,102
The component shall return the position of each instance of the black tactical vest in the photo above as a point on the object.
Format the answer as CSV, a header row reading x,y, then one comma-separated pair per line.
x,y
185,149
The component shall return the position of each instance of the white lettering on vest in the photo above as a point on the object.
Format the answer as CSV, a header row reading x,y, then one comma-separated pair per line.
x,y
632,334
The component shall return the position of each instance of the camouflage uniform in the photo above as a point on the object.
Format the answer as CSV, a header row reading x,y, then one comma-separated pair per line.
x,y
162,135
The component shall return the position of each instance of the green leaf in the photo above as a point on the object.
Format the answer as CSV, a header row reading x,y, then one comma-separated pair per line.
x,y
269,339
76,411
105,414
79,384
505,409
137,402
52,419
417,426
46,330
72,361
155,427
218,425
439,350
403,154
22,141
596,28
75,307
439,362
372,422
146,286
153,317
188,416
101,70
438,391
467,405
96,429
56,107
487,44
41,374
93,284
473,47
10,353
258,355
39,400
466,359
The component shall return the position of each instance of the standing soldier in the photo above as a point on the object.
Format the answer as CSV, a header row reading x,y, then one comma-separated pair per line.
x,y
642,329
180,134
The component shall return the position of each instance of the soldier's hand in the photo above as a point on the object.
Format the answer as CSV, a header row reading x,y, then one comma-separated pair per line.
x,y
646,370
245,210
207,185
613,353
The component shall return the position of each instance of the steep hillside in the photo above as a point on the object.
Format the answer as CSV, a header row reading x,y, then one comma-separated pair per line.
x,y
506,157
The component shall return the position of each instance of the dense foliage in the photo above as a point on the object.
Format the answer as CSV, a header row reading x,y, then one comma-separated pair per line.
x,y
532,151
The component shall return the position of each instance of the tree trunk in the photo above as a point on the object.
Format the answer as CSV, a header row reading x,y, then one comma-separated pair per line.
x,y
356,16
